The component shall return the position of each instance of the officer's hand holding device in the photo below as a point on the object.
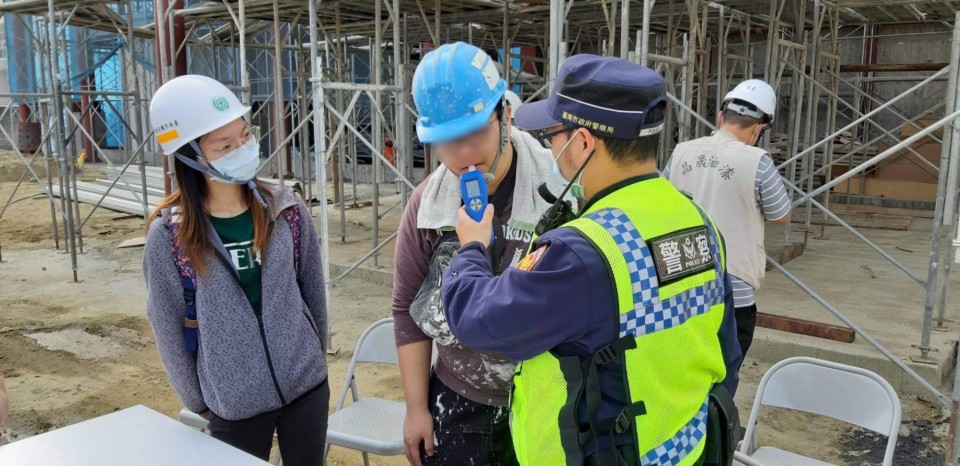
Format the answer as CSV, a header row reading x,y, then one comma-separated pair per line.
x,y
476,215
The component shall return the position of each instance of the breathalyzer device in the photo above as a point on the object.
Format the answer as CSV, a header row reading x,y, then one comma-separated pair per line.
x,y
473,190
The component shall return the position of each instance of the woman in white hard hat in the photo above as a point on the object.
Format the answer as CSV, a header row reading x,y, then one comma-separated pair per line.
x,y
235,290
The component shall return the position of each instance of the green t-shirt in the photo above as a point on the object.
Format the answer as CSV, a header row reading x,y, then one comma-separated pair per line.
x,y
236,233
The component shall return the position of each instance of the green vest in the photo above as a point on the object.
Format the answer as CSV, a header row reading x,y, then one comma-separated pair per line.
x,y
667,266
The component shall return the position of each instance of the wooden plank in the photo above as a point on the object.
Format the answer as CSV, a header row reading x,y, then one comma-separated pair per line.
x,y
806,327
872,220
892,67
904,190
133,243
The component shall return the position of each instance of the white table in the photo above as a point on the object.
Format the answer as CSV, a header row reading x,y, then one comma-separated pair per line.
x,y
135,436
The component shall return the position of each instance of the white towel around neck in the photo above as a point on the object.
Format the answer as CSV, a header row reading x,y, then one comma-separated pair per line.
x,y
441,197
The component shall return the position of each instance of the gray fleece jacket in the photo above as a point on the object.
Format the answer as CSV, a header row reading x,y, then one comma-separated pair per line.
x,y
244,366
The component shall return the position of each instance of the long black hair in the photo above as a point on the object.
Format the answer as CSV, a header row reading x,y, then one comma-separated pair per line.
x,y
190,198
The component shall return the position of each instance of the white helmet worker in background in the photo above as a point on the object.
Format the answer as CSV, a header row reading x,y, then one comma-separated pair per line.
x,y
513,100
738,184
754,99
235,290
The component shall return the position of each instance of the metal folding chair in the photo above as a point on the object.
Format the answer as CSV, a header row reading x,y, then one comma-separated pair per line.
x,y
842,392
370,425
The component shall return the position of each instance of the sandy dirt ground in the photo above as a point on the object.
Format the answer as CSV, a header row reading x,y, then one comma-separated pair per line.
x,y
73,351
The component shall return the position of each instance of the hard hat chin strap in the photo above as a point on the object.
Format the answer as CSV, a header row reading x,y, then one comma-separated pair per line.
x,y
209,170
491,176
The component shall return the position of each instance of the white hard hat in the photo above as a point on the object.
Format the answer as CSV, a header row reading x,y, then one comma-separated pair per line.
x,y
189,106
756,92
513,100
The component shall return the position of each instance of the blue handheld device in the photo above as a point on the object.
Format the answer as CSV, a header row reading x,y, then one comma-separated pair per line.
x,y
473,190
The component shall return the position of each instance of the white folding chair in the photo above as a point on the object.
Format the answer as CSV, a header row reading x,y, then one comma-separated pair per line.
x,y
825,388
197,421
370,425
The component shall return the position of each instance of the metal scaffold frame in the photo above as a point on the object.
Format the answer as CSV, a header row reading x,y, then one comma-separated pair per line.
x,y
65,135
302,66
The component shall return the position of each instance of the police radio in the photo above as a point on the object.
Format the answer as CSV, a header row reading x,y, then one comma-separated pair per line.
x,y
473,190
560,212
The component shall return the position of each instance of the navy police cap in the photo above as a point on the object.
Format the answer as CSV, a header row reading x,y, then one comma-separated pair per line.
x,y
609,96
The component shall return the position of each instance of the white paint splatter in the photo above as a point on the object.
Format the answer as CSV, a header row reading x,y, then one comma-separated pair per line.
x,y
440,409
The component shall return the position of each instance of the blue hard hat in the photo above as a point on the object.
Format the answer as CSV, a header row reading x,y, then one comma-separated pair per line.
x,y
456,88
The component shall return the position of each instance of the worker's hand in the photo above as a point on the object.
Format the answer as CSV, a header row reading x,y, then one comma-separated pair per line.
x,y
417,429
469,230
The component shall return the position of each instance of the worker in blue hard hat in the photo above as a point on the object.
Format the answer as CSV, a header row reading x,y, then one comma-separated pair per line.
x,y
457,409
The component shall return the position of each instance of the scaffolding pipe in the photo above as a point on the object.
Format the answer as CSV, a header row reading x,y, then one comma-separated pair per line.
x,y
376,69
363,259
137,109
69,128
278,97
556,24
825,210
857,112
879,157
876,140
941,398
946,189
402,143
625,29
246,92
645,38
320,142
57,104
860,236
866,117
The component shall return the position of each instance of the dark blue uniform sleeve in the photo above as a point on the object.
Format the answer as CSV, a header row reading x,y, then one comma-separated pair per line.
x,y
729,343
521,313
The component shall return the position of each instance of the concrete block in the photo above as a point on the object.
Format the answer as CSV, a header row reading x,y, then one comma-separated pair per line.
x,y
771,350
766,348
930,373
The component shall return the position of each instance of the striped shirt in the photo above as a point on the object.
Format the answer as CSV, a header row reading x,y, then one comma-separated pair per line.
x,y
773,201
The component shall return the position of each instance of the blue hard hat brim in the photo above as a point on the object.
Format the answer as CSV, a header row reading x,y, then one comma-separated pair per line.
x,y
535,116
456,129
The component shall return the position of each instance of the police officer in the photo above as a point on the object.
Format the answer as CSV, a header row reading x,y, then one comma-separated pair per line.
x,y
739,186
622,316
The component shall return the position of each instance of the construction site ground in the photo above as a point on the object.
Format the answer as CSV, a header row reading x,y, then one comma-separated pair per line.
x,y
73,351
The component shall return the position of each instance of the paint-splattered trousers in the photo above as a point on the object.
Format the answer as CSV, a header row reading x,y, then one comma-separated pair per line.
x,y
467,432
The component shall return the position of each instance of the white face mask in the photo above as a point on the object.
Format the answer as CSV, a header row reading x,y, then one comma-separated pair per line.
x,y
576,189
239,166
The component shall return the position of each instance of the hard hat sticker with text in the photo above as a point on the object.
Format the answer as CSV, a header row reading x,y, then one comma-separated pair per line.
x,y
167,132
